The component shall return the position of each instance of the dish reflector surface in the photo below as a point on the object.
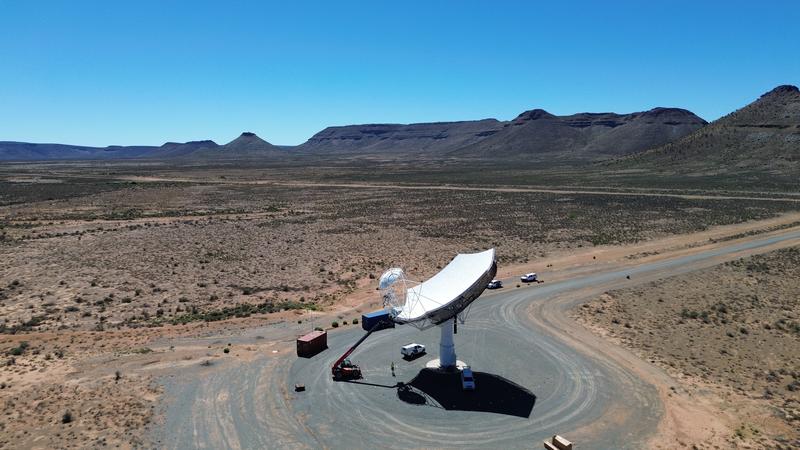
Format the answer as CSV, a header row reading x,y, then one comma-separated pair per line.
x,y
448,292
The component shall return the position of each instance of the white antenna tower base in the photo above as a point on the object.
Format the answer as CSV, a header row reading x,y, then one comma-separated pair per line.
x,y
447,348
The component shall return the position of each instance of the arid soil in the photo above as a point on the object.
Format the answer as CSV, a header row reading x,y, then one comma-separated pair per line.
x,y
149,253
733,329
50,399
96,269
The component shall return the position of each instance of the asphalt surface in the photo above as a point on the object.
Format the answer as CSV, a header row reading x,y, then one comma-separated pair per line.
x,y
535,385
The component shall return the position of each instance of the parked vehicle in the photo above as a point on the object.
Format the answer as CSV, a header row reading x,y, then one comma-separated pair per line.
x,y
494,284
529,277
467,379
412,350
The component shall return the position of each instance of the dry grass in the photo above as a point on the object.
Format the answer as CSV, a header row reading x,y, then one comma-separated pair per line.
x,y
104,413
93,266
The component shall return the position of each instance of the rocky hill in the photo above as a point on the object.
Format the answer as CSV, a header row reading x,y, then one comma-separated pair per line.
x,y
247,146
174,149
585,135
532,133
764,136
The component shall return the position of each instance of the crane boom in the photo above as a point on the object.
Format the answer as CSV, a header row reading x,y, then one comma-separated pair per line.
x,y
342,368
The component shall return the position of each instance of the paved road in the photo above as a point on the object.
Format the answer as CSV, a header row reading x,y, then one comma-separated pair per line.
x,y
251,405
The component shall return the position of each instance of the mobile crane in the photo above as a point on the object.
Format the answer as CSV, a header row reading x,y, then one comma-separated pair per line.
x,y
343,369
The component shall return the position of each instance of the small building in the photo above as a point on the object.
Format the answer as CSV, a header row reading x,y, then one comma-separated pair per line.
x,y
312,343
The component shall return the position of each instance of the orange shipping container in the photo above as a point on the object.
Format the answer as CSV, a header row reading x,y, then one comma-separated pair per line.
x,y
312,343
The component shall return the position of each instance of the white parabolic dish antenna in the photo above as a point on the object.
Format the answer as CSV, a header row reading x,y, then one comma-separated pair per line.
x,y
440,299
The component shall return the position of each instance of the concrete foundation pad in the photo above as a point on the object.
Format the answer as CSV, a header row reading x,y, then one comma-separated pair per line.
x,y
435,364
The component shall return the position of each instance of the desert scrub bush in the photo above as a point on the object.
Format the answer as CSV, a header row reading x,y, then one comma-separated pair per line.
x,y
687,313
67,417
355,321
20,349
335,324
787,326
240,310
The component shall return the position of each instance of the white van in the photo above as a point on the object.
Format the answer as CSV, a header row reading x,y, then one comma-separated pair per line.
x,y
412,350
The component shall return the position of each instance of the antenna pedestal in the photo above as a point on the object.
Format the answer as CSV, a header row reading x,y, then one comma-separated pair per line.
x,y
447,348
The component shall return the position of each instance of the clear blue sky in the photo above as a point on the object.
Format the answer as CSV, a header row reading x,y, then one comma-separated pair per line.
x,y
146,72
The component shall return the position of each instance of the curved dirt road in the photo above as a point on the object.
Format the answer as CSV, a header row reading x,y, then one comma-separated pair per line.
x,y
519,343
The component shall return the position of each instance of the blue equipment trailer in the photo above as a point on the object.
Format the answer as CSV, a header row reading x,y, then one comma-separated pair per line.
x,y
369,320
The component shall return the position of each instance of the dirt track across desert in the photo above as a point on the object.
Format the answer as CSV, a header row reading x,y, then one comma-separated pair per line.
x,y
767,196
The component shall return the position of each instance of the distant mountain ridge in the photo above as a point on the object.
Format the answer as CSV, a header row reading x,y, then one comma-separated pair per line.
x,y
534,132
246,146
762,136
585,135
24,151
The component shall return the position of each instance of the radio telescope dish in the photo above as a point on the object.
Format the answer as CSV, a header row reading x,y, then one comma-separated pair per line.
x,y
439,300
449,292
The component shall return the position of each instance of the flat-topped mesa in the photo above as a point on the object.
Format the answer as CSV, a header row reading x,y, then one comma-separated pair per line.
x,y
585,135
670,116
425,138
204,143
